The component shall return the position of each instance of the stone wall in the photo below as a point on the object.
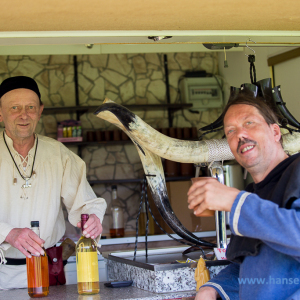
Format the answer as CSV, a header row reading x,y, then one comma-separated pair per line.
x,y
126,79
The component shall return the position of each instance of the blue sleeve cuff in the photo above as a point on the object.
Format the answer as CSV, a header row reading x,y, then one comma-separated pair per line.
x,y
226,282
219,289
236,211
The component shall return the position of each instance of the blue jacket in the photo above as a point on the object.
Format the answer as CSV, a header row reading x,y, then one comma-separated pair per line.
x,y
274,273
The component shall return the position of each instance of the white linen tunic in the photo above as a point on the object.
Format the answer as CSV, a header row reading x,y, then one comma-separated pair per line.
x,y
60,177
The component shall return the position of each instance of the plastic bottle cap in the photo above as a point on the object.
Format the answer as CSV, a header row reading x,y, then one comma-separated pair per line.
x,y
114,187
35,224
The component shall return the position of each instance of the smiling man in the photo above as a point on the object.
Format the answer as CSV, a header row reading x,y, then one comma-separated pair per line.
x,y
37,174
265,218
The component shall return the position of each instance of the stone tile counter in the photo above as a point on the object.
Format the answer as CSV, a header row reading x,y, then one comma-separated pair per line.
x,y
68,292
161,271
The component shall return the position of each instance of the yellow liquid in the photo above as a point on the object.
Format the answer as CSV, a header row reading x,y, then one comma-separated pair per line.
x,y
87,266
88,288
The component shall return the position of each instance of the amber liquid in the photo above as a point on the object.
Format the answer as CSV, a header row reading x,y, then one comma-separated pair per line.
x,y
37,276
116,232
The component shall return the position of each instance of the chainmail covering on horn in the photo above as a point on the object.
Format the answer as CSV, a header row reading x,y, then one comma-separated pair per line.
x,y
218,150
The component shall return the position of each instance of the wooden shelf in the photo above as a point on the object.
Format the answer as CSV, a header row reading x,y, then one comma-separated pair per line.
x,y
66,109
135,180
85,109
103,143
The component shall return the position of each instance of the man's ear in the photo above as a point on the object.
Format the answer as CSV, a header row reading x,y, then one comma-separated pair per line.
x,y
277,132
41,110
1,119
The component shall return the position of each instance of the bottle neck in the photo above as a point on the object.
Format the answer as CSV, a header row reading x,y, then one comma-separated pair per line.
x,y
82,224
114,198
36,230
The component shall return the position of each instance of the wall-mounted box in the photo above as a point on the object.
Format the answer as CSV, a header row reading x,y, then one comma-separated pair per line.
x,y
203,92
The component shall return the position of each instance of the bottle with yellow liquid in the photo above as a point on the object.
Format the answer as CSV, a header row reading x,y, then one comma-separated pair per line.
x,y
37,270
87,263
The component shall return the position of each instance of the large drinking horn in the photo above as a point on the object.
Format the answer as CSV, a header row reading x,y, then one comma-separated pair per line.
x,y
126,120
250,88
145,136
181,151
291,142
265,89
283,109
156,180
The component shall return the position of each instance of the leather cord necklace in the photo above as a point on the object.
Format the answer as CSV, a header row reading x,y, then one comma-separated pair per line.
x,y
26,185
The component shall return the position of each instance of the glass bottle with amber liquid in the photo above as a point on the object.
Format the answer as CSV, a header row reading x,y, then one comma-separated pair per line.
x,y
87,263
37,270
117,216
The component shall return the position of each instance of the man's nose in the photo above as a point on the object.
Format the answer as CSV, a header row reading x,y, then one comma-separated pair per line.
x,y
241,133
24,113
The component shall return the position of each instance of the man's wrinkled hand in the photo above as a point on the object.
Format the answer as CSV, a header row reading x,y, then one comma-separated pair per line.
x,y
92,228
26,241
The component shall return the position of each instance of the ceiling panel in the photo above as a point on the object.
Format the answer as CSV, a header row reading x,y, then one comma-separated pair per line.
x,y
65,15
124,25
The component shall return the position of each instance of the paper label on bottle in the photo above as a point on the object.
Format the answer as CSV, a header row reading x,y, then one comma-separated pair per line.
x,y
87,267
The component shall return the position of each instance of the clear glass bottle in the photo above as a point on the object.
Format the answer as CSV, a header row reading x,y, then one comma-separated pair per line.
x,y
87,263
117,216
37,270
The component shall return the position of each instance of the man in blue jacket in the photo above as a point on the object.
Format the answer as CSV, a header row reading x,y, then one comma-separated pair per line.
x,y
265,218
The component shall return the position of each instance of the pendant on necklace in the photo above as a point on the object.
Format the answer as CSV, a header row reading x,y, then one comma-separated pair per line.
x,y
26,185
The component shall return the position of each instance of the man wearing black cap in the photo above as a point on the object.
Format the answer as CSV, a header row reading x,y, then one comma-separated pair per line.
x,y
36,173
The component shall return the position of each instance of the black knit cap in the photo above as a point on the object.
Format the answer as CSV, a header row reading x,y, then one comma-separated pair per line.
x,y
19,82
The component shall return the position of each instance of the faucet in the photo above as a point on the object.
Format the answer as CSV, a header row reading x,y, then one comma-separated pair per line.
x,y
216,171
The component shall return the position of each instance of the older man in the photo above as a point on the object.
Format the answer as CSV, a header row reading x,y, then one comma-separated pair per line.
x,y
37,174
265,218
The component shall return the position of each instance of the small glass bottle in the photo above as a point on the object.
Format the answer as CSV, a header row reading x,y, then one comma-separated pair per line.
x,y
87,263
37,270
69,131
79,131
74,131
117,216
65,132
